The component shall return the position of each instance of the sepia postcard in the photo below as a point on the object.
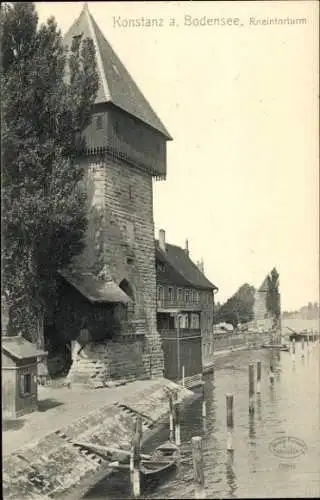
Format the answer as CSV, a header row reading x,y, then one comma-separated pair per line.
x,y
160,250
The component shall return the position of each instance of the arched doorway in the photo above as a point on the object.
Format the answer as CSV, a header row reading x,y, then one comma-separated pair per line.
x,y
128,309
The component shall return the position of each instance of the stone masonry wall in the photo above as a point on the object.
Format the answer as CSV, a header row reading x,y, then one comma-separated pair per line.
x,y
101,363
52,466
120,240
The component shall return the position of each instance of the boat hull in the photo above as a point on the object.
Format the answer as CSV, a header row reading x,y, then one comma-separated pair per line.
x,y
163,460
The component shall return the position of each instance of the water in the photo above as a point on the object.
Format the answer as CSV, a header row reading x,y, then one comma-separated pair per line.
x,y
290,407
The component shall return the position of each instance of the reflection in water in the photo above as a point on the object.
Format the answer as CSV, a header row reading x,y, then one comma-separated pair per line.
x,y
230,475
252,429
259,407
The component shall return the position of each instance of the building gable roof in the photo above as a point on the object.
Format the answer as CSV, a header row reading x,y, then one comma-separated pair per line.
x,y
116,85
179,268
19,348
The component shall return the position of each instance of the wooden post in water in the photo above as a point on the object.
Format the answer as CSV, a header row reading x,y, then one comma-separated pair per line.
x,y
176,410
302,347
230,421
204,403
251,388
170,416
197,456
258,377
135,458
293,349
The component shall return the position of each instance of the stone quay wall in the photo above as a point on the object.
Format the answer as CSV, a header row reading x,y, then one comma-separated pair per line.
x,y
54,465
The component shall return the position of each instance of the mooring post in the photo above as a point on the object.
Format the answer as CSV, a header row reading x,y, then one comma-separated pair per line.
x,y
183,376
204,403
197,456
258,377
135,459
293,349
170,416
176,409
251,388
230,421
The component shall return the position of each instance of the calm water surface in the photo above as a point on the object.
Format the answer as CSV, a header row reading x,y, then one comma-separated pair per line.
x,y
288,408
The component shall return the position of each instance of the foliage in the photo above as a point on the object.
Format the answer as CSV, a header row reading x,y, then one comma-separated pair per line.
x,y
238,308
48,95
273,295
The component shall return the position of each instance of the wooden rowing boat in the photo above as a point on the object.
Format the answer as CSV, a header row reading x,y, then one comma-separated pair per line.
x,y
164,458
281,347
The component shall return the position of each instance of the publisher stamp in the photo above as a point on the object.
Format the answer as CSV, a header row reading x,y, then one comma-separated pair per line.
x,y
288,447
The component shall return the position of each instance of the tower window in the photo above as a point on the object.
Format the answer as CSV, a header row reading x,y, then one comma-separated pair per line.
x,y
116,127
99,122
76,40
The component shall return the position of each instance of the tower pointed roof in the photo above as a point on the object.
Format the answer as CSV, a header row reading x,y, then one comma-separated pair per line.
x,y
116,85
264,285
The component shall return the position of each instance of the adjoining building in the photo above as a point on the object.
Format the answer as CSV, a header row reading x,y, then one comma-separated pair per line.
x,y
185,308
107,305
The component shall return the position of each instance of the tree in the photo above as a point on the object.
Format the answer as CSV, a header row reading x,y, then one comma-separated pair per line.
x,y
48,94
273,297
239,307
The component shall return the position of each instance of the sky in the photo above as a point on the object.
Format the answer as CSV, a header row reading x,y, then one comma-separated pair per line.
x,y
241,103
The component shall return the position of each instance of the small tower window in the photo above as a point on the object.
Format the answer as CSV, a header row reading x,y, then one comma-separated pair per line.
x,y
76,40
116,127
99,122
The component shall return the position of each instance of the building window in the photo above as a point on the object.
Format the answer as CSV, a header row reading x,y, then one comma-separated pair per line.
x,y
160,293
170,293
183,321
196,296
99,122
160,266
195,323
186,295
26,384
116,127
179,294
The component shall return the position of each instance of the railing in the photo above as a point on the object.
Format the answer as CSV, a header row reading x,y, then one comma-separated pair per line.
x,y
179,304
184,333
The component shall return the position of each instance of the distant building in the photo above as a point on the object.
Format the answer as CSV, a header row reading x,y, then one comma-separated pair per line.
x,y
185,306
107,305
263,319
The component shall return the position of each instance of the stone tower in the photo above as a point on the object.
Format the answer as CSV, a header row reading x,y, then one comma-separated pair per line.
x,y
125,151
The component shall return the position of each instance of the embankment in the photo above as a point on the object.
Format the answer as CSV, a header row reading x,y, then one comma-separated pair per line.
x,y
54,466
